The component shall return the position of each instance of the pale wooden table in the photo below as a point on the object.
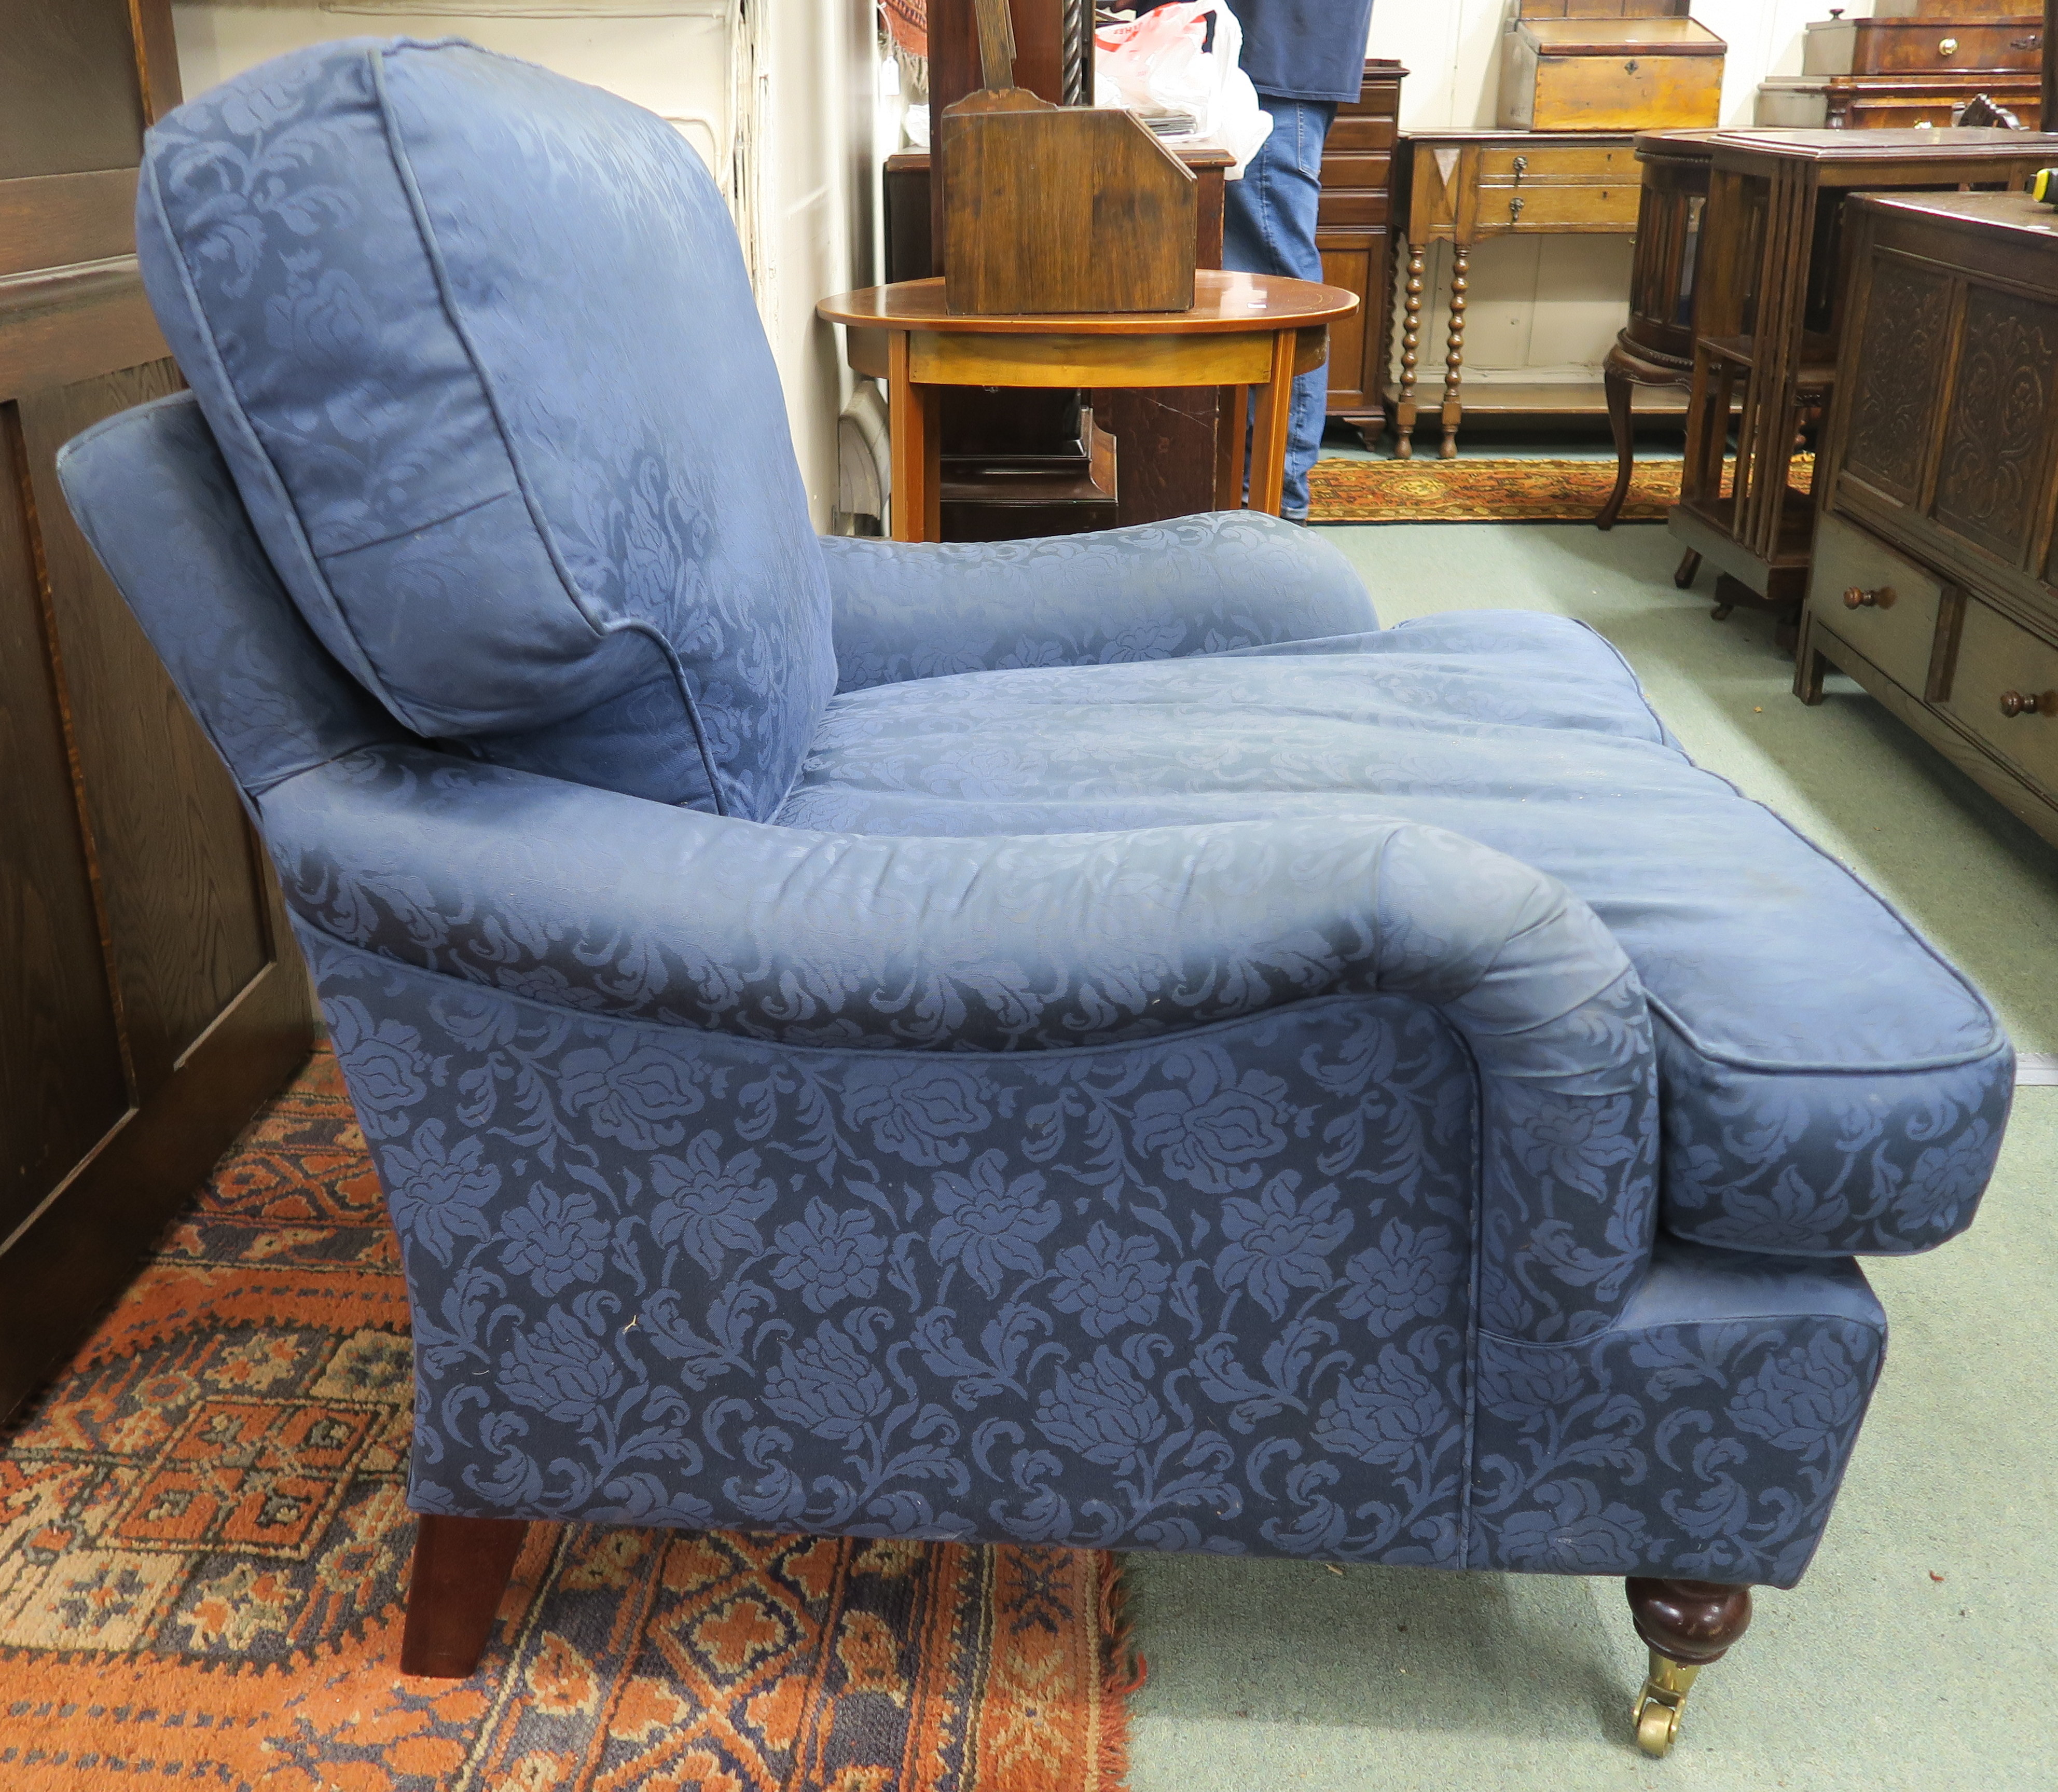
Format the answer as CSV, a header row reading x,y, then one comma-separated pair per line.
x,y
1245,331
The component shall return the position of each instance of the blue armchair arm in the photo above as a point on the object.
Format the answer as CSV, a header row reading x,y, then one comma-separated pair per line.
x,y
1198,585
601,903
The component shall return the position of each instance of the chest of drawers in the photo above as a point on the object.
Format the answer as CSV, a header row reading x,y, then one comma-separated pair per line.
x,y
1464,187
1935,577
1354,231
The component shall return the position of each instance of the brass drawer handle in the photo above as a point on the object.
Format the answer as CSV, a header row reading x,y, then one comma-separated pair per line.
x,y
1514,209
1858,598
2014,703
1521,168
1948,47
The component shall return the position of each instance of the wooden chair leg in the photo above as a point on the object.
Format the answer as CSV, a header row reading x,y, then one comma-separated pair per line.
x,y
1687,1625
461,1569
1690,570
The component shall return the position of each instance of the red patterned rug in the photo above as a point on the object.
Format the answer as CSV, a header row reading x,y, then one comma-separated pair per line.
x,y
1483,489
203,1546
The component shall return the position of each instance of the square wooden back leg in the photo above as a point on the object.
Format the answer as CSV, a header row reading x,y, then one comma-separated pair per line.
x,y
461,1569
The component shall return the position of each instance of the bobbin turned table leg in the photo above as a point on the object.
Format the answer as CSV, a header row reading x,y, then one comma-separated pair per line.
x,y
1454,360
1687,1625
1411,343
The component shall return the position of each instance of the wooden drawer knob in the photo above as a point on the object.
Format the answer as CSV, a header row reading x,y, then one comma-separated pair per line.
x,y
1859,598
2014,703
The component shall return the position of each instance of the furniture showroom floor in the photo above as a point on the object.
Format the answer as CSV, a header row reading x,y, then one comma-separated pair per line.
x,y
1911,1656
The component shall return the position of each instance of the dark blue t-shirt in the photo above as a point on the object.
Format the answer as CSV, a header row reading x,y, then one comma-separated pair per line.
x,y
1303,49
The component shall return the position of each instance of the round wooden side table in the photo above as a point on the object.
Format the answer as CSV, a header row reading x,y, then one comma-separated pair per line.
x,y
1245,331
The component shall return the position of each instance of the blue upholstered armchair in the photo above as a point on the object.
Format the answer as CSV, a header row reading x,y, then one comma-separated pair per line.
x,y
1086,1041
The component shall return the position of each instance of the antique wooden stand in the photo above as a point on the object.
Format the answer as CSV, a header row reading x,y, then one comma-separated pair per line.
x,y
1768,323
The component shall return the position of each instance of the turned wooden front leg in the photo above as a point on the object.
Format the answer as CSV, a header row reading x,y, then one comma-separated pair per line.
x,y
1454,360
1687,1625
1411,344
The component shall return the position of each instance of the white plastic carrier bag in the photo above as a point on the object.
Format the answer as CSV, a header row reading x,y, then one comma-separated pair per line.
x,y
1162,63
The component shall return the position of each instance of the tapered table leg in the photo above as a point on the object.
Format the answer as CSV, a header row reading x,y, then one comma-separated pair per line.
x,y
1411,344
1454,359
1268,437
911,419
1231,443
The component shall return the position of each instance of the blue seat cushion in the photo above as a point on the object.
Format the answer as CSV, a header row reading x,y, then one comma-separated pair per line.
x,y
1829,1083
479,348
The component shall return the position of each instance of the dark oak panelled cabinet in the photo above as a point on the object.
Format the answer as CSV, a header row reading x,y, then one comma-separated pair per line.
x,y
151,997
1354,232
1934,583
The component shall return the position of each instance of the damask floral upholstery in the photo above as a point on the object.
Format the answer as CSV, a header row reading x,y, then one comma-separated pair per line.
x,y
1166,1064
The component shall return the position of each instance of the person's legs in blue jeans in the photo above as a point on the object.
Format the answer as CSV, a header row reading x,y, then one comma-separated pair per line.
x,y
1268,227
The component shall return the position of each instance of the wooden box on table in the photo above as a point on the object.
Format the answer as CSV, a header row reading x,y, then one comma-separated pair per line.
x,y
1935,582
1575,65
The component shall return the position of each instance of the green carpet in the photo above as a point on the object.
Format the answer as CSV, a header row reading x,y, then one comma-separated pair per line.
x,y
1873,1674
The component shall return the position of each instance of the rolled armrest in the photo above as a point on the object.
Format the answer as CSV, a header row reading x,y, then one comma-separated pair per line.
x,y
1197,584
597,903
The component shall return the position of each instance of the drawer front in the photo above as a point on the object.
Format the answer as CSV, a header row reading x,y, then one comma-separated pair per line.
x,y
1368,172
1896,634
1502,209
1348,209
1895,46
1996,660
1362,133
1574,165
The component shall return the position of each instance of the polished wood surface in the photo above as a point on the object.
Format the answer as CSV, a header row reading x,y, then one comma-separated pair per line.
x,y
1695,1622
1769,323
1354,235
1935,583
1026,462
1656,348
151,996
1251,331
1463,187
1223,303
458,1577
1615,73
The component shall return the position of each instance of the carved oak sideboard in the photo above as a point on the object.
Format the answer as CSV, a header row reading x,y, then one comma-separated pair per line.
x,y
1935,580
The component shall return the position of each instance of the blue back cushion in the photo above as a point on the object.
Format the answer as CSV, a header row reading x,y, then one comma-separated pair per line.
x,y
479,348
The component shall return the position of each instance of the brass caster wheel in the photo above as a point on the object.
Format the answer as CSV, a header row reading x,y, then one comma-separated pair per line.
x,y
1660,1704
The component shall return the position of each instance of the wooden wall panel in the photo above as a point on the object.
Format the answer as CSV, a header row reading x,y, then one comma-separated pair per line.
x,y
62,1088
181,891
151,997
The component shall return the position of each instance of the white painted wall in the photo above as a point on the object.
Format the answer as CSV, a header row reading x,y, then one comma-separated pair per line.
x,y
790,82
1545,308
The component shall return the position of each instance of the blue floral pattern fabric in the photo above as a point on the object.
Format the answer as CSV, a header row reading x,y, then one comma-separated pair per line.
x,y
1185,1070
1195,584
1817,1102
458,323
1213,1293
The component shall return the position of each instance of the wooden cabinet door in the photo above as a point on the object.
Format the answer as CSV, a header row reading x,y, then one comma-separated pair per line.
x,y
151,997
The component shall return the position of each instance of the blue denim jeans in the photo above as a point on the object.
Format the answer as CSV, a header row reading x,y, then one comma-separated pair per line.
x,y
1268,227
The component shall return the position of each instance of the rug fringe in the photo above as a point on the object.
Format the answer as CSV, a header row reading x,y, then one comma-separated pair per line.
x,y
1125,1671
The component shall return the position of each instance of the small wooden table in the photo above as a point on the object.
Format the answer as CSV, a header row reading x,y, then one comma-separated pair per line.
x,y
1245,331
1464,187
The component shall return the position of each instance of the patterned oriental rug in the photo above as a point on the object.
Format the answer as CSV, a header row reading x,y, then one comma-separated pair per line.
x,y
1483,490
204,1549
